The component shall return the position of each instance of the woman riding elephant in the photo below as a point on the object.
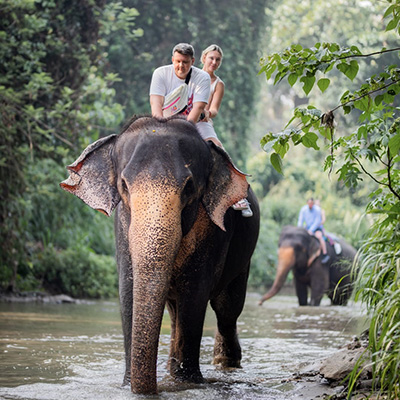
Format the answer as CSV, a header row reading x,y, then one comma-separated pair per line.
x,y
300,251
178,242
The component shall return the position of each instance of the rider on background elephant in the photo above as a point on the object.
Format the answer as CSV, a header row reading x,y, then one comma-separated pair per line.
x,y
178,242
310,217
299,251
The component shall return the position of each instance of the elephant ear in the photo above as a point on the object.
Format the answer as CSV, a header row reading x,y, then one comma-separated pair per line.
x,y
92,177
314,250
225,187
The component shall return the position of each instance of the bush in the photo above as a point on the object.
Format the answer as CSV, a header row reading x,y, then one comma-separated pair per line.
x,y
76,271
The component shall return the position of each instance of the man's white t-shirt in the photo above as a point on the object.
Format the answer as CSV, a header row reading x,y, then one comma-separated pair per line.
x,y
164,81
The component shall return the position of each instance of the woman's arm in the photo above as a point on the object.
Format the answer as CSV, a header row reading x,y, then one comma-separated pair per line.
x,y
216,100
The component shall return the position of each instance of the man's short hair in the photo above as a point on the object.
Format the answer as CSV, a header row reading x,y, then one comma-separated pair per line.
x,y
185,49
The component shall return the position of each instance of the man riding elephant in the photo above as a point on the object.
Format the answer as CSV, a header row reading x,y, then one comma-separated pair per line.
x,y
310,217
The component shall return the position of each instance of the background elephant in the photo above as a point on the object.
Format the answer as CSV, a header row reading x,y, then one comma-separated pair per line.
x,y
178,241
300,251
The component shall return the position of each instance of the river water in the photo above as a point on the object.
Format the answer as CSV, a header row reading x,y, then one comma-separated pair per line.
x,y
75,351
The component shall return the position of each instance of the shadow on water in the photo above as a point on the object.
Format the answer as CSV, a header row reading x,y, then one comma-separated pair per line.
x,y
75,351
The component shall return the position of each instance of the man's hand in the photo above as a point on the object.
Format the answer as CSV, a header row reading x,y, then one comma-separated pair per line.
x,y
196,111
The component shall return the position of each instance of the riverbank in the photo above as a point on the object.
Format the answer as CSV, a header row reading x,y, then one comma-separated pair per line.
x,y
327,378
37,297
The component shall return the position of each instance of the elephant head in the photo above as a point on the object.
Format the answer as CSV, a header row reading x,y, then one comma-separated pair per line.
x,y
166,180
297,250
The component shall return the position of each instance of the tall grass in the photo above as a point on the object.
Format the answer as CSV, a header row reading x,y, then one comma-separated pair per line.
x,y
378,287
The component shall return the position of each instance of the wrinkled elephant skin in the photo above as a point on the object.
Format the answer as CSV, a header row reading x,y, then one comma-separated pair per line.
x,y
178,241
300,252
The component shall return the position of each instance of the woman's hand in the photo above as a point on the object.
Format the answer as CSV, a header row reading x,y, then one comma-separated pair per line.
x,y
207,116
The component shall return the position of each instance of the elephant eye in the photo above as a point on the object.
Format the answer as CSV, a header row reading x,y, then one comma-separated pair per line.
x,y
124,185
189,190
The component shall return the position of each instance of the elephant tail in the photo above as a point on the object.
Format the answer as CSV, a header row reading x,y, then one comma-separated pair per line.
x,y
286,259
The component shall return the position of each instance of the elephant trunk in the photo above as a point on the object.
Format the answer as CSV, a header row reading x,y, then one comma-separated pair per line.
x,y
155,234
286,260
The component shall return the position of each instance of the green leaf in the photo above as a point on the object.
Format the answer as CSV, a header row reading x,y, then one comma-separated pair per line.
x,y
323,84
392,24
352,73
281,148
363,104
308,83
394,144
347,109
276,162
362,132
378,99
389,11
292,79
310,140
350,70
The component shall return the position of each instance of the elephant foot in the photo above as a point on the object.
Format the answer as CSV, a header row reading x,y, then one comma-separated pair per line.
x,y
127,379
193,378
227,352
188,375
226,362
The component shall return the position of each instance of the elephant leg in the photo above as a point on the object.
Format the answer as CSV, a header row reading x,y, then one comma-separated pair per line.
x,y
301,292
319,283
187,319
228,305
124,265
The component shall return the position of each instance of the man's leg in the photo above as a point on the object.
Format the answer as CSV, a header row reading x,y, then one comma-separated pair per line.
x,y
325,256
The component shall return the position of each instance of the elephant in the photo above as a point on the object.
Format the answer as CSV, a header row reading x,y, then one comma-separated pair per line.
x,y
179,243
300,251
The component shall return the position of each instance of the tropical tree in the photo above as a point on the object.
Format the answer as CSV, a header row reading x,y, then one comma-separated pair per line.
x,y
55,98
368,151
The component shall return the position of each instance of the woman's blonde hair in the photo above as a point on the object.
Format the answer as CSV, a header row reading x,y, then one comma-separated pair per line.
x,y
212,47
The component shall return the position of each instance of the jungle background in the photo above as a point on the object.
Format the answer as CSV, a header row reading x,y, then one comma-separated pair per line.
x,y
72,72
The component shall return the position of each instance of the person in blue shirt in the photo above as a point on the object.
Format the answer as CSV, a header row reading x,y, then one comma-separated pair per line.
x,y
310,217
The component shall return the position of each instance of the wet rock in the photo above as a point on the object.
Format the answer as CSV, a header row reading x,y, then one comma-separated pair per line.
x,y
340,364
59,299
309,368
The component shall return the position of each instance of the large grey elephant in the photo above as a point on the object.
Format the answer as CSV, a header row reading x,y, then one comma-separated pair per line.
x,y
299,251
178,242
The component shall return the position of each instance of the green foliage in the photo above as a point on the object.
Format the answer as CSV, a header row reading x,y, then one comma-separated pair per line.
x,y
76,271
281,198
55,98
378,287
369,151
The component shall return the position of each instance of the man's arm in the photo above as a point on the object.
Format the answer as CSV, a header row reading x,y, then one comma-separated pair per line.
x,y
156,103
195,112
